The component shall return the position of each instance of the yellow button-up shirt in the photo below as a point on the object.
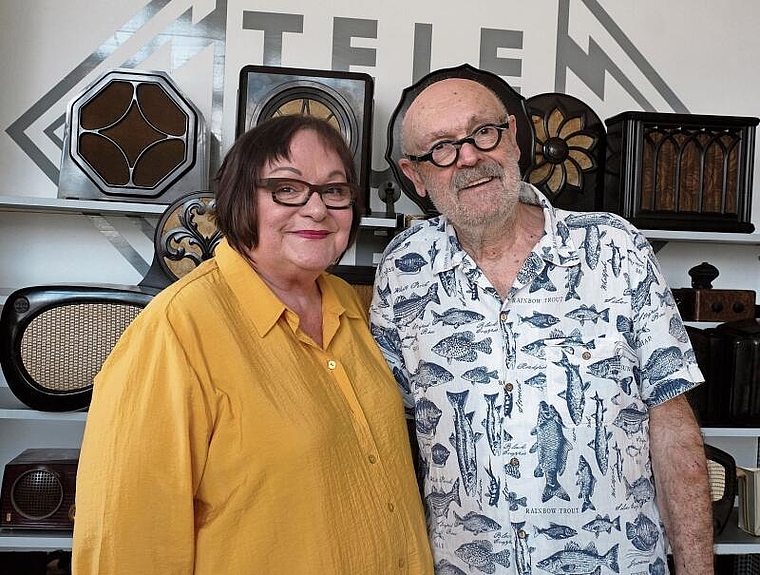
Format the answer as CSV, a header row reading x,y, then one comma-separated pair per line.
x,y
222,440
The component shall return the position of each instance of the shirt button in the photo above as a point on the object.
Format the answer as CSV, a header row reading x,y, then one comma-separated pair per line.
x,y
372,459
521,534
331,364
514,462
586,355
508,386
391,507
503,316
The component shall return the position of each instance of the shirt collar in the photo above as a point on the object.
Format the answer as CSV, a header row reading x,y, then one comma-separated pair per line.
x,y
261,305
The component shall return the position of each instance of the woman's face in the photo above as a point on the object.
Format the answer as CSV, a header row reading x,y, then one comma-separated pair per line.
x,y
294,240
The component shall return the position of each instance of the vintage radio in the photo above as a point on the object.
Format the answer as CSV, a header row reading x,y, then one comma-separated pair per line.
x,y
721,468
54,339
715,304
681,171
342,98
133,136
729,357
38,489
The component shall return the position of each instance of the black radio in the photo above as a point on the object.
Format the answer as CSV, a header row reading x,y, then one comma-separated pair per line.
x,y
729,357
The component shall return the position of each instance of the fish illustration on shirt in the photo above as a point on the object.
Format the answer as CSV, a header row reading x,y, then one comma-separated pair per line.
x,y
600,444
480,374
476,523
616,259
456,317
574,393
630,419
643,533
641,490
596,526
658,567
552,447
429,374
462,346
586,481
576,561
463,439
448,282
540,319
492,423
586,313
593,245
677,330
480,554
406,310
574,275
438,502
410,263
426,416
556,531
662,363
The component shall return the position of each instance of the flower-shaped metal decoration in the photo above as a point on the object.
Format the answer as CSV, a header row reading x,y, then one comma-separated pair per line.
x,y
567,150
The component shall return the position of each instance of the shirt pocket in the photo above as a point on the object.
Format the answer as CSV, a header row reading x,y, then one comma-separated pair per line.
x,y
589,381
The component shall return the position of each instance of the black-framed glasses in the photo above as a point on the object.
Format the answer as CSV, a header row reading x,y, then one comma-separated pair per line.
x,y
444,154
296,193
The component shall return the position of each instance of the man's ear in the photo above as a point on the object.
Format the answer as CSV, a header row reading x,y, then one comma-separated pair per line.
x,y
513,130
410,171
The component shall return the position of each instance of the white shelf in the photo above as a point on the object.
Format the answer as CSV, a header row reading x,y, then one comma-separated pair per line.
x,y
64,206
12,408
730,432
27,540
708,237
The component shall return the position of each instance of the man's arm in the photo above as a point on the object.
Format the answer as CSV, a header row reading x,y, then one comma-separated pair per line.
x,y
683,489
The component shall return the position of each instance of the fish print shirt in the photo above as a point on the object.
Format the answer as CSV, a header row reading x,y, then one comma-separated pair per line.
x,y
532,413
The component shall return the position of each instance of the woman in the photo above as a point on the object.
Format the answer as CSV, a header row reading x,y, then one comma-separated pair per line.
x,y
246,422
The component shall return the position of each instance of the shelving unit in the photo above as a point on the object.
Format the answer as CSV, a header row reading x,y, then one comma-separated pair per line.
x,y
67,427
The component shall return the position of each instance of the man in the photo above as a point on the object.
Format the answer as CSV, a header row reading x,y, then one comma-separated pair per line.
x,y
544,362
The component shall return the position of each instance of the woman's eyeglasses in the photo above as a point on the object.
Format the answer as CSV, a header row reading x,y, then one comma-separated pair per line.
x,y
444,154
295,193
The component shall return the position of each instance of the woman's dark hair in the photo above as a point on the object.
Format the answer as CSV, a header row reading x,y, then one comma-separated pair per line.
x,y
235,213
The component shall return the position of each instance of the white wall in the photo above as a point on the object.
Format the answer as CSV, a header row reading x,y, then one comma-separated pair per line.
x,y
696,53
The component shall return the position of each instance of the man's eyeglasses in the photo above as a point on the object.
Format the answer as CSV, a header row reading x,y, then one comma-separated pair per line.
x,y
295,193
444,154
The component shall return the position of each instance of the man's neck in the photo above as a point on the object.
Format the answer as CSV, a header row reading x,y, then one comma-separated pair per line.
x,y
500,249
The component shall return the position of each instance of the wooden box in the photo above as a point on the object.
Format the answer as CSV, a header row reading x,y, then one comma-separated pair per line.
x,y
681,171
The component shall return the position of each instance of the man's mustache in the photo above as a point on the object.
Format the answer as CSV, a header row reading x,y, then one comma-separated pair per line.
x,y
466,176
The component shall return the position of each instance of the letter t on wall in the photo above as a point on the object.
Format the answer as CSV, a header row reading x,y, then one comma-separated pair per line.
x,y
274,26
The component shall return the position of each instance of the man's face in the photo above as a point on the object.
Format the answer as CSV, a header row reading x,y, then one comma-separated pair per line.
x,y
480,187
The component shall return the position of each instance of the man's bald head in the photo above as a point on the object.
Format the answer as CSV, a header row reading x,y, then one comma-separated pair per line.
x,y
452,97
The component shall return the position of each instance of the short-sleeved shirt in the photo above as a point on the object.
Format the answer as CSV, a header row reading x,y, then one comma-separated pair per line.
x,y
222,440
532,412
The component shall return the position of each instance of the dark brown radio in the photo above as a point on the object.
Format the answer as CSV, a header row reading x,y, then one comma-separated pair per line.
x,y
715,304
681,171
38,490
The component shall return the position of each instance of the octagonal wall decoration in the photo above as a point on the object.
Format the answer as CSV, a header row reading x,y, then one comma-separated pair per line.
x,y
133,136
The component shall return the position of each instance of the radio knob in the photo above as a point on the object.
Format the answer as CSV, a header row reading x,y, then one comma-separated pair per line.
x,y
738,307
717,307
